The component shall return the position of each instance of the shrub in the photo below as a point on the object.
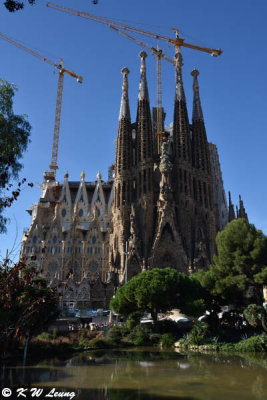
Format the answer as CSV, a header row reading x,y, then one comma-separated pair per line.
x,y
253,344
199,333
116,333
100,343
140,335
154,338
54,333
44,336
167,340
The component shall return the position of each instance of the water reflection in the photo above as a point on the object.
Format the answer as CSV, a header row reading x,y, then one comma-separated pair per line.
x,y
146,374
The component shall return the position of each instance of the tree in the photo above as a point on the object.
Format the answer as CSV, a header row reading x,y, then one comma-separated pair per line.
x,y
27,305
256,315
239,270
14,138
14,5
159,290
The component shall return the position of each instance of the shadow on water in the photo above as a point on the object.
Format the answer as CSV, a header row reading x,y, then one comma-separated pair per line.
x,y
147,374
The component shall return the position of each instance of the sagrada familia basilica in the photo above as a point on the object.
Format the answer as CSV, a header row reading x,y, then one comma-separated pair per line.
x,y
157,209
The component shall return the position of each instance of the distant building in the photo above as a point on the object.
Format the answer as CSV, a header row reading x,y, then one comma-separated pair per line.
x,y
68,239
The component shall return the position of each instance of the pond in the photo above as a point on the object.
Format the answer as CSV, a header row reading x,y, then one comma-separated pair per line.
x,y
141,374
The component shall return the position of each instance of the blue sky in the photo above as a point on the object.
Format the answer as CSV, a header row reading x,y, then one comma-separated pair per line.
x,y
232,88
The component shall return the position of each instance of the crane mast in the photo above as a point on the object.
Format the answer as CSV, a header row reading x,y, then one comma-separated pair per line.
x,y
51,174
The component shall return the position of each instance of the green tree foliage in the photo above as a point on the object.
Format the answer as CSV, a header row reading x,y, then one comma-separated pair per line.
x,y
27,305
256,315
159,290
14,5
239,270
14,138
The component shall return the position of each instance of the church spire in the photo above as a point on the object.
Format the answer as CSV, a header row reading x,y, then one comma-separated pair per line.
x,y
197,109
179,87
143,90
231,214
200,147
143,120
181,131
123,138
242,211
125,108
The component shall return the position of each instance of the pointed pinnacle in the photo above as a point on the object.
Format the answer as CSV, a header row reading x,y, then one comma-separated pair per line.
x,y
143,91
179,88
197,109
125,109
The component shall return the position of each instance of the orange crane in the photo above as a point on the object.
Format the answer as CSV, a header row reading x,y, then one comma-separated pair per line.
x,y
120,27
50,175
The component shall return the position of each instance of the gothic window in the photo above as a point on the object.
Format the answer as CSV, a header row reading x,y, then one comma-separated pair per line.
x,y
54,239
200,191
80,212
205,194
77,271
34,240
93,239
134,190
63,213
199,235
119,196
52,268
123,193
134,157
144,181
195,188
93,266
185,182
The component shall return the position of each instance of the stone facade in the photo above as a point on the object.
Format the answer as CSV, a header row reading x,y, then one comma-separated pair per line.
x,y
168,207
68,239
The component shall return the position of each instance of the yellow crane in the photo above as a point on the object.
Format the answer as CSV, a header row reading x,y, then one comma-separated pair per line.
x,y
119,27
50,175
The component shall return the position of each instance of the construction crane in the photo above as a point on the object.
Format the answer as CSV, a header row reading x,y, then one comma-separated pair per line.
x,y
120,27
159,54
50,175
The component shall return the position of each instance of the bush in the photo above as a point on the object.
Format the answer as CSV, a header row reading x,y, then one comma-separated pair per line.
x,y
199,333
100,343
54,333
116,333
253,344
167,340
140,335
154,338
44,336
